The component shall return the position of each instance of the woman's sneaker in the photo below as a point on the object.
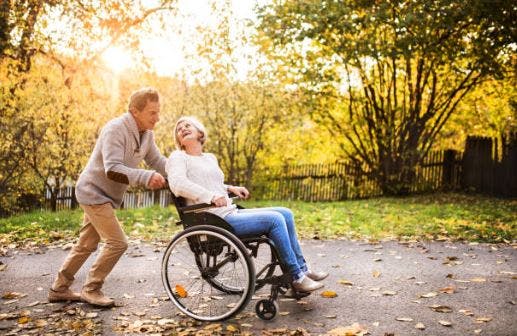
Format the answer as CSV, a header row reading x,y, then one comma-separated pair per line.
x,y
316,276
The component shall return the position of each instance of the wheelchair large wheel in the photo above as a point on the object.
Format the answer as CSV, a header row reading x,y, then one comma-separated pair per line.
x,y
207,273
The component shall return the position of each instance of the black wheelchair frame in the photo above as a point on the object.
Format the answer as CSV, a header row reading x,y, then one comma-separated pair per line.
x,y
209,273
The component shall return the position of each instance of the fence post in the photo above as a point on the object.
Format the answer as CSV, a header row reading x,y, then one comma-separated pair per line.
x,y
74,202
157,195
449,163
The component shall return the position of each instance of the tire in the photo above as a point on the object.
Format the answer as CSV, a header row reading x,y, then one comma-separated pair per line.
x,y
213,284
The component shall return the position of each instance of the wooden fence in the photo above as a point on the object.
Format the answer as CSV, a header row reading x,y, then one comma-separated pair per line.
x,y
480,168
311,182
489,167
341,181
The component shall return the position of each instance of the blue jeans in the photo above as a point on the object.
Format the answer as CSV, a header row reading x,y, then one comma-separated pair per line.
x,y
278,224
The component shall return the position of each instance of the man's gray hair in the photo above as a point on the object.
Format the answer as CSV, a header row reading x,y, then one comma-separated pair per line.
x,y
139,98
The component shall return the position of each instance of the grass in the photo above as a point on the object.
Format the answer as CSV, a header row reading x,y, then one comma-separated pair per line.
x,y
436,216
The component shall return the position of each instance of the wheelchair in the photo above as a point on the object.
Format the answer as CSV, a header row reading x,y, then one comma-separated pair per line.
x,y
210,274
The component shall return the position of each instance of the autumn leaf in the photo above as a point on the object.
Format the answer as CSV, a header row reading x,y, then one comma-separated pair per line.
x,y
483,319
389,293
345,282
376,274
329,294
404,319
478,280
40,323
232,328
12,295
445,323
24,319
352,330
466,312
441,309
447,290
429,295
182,293
419,326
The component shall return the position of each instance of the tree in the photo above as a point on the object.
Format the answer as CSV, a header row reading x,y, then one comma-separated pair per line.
x,y
31,30
385,76
238,113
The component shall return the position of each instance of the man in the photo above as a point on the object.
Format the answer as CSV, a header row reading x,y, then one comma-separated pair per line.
x,y
122,145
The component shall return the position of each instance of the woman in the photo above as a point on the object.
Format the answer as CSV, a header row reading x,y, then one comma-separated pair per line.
x,y
196,176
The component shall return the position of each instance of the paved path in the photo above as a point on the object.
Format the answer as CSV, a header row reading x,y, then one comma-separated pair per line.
x,y
387,283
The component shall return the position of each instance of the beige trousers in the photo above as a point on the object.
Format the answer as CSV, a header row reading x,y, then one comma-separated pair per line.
x,y
99,223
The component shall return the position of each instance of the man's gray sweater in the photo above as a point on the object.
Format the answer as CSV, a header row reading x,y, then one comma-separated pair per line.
x,y
113,164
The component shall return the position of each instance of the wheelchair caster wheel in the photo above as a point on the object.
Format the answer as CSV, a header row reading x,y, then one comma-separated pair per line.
x,y
266,309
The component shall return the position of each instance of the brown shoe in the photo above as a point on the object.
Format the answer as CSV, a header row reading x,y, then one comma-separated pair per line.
x,y
66,295
307,285
96,298
316,276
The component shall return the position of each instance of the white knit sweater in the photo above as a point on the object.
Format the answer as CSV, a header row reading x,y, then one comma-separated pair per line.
x,y
198,179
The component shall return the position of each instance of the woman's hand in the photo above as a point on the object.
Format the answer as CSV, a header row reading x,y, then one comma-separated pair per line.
x,y
219,201
239,191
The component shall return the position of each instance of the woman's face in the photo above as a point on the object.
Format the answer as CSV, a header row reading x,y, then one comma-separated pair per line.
x,y
187,133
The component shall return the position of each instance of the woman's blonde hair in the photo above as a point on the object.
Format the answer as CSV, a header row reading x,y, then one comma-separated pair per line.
x,y
194,122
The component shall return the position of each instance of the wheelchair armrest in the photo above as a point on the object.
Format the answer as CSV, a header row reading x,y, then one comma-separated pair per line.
x,y
202,206
195,207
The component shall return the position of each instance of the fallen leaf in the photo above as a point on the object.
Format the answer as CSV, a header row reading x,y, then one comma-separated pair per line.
x,y
331,316
92,315
232,328
447,290
32,304
40,323
389,293
12,295
419,326
429,295
483,319
181,291
466,312
329,294
445,323
345,282
404,319
376,274
24,319
478,331
441,309
25,312
127,296
352,330
478,280
285,313
2,267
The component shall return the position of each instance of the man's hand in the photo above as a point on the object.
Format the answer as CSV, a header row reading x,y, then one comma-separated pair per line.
x,y
239,191
157,181
219,201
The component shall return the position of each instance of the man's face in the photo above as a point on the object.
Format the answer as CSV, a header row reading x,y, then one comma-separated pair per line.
x,y
148,116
